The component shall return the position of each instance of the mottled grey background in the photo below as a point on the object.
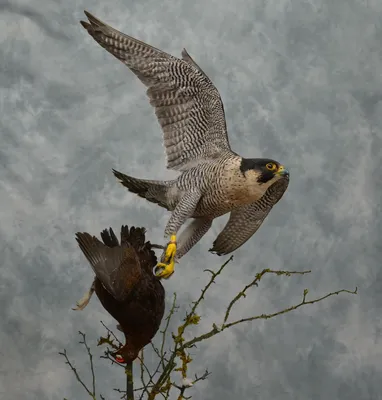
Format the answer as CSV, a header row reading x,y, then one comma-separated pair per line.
x,y
301,83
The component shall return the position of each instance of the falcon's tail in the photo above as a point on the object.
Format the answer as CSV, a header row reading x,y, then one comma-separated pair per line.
x,y
153,191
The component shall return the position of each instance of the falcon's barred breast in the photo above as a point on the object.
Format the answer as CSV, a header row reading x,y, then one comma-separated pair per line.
x,y
214,180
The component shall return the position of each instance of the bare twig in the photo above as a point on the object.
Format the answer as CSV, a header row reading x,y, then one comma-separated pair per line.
x,y
111,334
64,354
90,358
157,352
144,384
203,377
164,332
211,281
167,365
186,384
292,308
255,283
215,330
143,369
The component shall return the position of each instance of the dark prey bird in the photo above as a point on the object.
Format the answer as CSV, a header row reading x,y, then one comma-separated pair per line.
x,y
125,285
213,180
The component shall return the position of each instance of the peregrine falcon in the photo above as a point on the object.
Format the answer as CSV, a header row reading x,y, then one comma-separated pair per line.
x,y
125,285
214,180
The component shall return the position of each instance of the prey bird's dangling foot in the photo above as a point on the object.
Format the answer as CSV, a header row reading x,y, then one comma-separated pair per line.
x,y
84,301
165,268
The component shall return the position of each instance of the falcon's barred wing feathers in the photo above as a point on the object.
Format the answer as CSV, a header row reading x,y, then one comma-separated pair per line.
x,y
244,221
187,104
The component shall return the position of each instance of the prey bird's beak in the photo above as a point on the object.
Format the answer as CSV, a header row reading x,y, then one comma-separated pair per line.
x,y
282,171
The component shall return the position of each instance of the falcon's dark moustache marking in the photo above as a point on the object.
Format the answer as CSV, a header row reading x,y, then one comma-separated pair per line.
x,y
259,165
247,164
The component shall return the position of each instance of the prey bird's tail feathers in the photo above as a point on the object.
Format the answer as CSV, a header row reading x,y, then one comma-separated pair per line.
x,y
118,268
136,238
133,236
109,239
151,190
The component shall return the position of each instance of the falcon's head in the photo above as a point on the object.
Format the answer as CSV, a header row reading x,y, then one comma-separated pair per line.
x,y
261,173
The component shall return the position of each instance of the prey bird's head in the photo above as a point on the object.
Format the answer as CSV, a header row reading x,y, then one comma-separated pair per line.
x,y
262,172
125,354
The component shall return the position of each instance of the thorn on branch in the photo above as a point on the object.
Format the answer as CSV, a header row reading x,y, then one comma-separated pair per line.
x,y
202,377
209,270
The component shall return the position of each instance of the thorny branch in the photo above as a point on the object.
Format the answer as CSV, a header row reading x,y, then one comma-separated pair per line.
x,y
215,329
159,380
143,381
180,345
92,393
173,309
255,282
108,340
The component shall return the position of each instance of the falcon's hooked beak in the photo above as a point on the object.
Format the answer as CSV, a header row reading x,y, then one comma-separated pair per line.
x,y
282,171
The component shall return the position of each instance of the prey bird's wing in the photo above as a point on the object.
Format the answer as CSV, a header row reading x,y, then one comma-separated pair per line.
x,y
118,268
187,104
244,221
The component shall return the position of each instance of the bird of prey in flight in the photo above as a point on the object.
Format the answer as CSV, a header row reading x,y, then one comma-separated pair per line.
x,y
213,180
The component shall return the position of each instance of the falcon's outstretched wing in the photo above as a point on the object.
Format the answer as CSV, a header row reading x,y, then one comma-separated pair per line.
x,y
244,221
187,104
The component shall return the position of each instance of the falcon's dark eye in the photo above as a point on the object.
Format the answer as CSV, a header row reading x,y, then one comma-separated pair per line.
x,y
271,166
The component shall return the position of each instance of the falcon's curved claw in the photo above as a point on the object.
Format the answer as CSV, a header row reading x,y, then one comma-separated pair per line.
x,y
166,268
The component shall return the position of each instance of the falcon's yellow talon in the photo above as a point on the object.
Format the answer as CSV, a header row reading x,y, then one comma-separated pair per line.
x,y
163,270
170,251
166,268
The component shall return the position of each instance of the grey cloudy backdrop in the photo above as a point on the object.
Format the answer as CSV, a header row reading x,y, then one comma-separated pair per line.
x,y
301,83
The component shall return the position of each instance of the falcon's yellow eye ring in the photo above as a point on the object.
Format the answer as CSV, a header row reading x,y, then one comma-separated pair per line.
x,y
271,166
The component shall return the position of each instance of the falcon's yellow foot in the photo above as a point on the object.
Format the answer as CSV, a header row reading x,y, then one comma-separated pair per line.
x,y
166,268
